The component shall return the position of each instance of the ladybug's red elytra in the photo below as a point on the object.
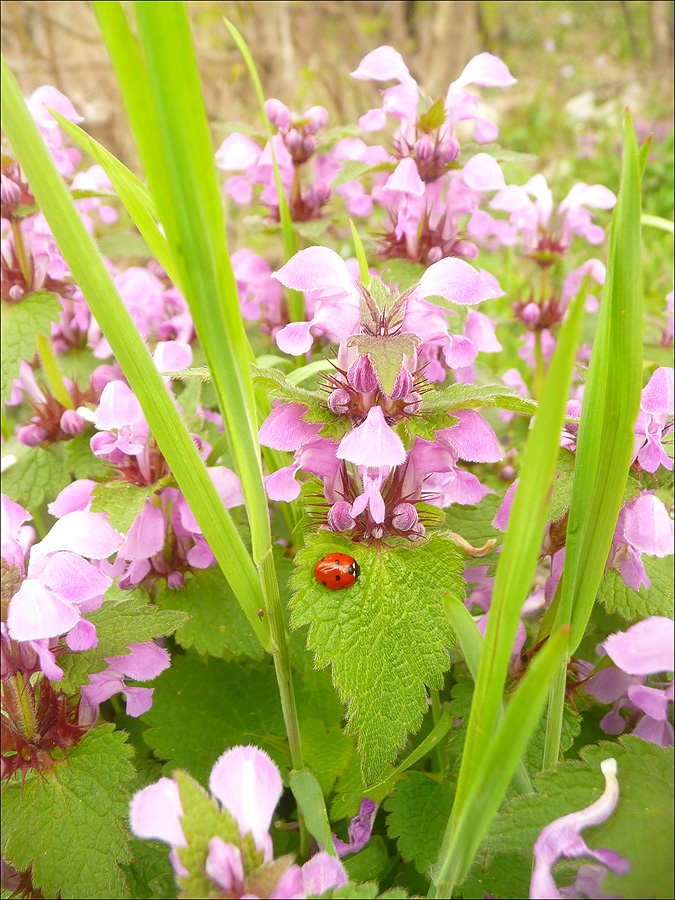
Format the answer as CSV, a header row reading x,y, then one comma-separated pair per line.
x,y
336,571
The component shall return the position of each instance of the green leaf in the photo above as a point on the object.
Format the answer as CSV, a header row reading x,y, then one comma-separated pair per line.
x,y
352,170
385,636
326,750
505,875
38,475
121,501
418,811
279,386
657,600
307,792
21,324
80,461
71,828
474,523
610,406
203,706
150,874
433,118
469,396
125,618
386,354
402,273
216,625
131,191
349,790
641,827
371,862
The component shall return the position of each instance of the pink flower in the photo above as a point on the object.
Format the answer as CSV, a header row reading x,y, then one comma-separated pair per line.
x,y
652,425
144,662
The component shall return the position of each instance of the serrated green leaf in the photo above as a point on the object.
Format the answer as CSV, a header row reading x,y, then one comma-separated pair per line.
x,y
80,461
122,502
470,396
657,600
562,485
202,820
433,118
402,273
71,828
418,811
351,891
326,750
121,621
349,790
37,475
203,706
279,386
386,353
641,827
21,324
216,625
385,636
371,862
150,875
426,425
505,875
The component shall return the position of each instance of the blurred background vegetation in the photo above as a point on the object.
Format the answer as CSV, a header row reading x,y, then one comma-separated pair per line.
x,y
578,64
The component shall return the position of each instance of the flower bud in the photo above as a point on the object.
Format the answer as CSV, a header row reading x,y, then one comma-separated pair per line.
x,y
416,532
308,145
424,149
530,314
403,385
339,401
71,422
10,192
448,151
16,292
377,532
293,141
278,114
322,190
405,517
31,435
175,581
434,255
340,517
318,116
466,250
412,403
362,375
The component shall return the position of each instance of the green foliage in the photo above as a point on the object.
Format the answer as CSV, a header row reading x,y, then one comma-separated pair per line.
x,y
470,396
70,826
418,811
386,354
121,501
402,273
80,461
657,600
150,875
641,828
216,625
326,749
505,875
203,706
22,322
385,636
308,794
125,618
433,118
373,862
37,475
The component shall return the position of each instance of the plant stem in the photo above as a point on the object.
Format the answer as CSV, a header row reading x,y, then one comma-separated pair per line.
x,y
282,666
440,751
51,370
554,718
20,250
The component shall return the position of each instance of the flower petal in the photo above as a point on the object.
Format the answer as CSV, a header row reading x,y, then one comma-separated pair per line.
x,y
155,813
645,648
373,444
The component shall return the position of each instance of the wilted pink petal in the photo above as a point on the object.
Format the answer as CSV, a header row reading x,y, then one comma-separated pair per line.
x,y
321,873
454,280
285,428
360,829
155,813
645,648
373,444
248,784
85,533
562,839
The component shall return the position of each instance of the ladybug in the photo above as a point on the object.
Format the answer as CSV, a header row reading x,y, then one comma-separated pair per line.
x,y
336,571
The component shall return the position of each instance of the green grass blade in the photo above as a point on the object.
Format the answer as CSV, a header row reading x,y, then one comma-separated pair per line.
x,y
520,552
132,192
467,828
610,407
296,303
89,271
364,274
658,222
